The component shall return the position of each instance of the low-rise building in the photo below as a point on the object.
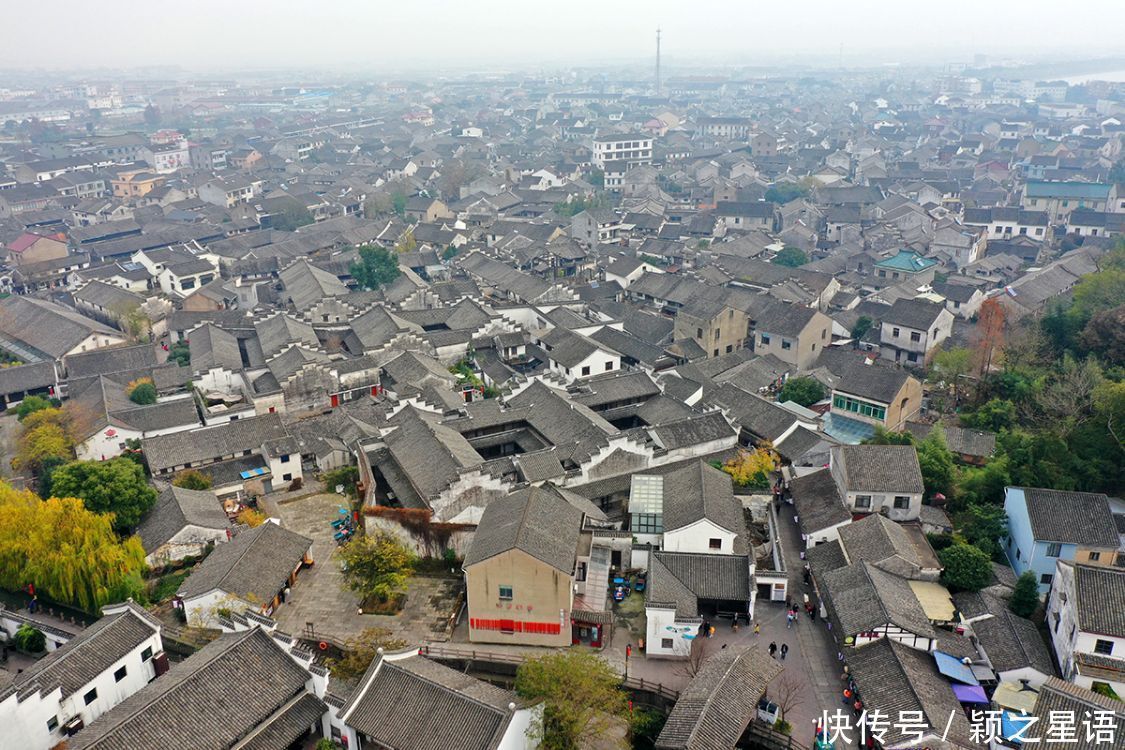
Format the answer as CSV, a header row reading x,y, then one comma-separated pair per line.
x,y
251,572
1048,526
76,683
912,330
1087,626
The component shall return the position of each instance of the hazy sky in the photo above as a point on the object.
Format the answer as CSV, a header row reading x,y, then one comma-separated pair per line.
x,y
380,34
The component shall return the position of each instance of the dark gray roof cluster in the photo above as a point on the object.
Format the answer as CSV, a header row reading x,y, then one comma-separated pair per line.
x,y
214,698
1096,589
865,598
209,443
817,501
893,678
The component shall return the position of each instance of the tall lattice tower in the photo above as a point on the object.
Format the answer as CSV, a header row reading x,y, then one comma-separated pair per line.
x,y
658,60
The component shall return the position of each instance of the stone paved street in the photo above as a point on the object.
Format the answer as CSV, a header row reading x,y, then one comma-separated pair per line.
x,y
321,599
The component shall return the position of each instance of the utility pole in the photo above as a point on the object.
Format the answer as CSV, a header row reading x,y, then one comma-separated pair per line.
x,y
658,60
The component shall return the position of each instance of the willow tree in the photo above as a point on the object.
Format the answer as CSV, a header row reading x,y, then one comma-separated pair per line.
x,y
70,553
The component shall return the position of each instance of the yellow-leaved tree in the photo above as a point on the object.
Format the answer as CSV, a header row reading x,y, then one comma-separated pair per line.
x,y
71,554
751,468
46,435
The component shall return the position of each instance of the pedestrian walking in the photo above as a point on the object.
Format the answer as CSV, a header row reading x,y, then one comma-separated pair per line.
x,y
789,620
773,649
757,628
711,632
784,650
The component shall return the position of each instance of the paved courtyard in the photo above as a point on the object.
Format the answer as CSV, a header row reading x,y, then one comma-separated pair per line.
x,y
323,606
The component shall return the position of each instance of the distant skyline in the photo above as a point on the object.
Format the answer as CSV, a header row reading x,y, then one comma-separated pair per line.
x,y
369,36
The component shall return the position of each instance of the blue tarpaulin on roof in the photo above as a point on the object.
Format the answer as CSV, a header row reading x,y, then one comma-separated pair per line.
x,y
1011,724
261,470
952,668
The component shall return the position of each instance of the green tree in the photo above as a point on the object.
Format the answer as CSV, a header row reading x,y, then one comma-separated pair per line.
x,y
984,485
995,414
375,268
192,479
143,393
983,526
180,353
1025,596
348,476
376,565
936,462
1104,335
292,217
645,727
804,391
966,568
580,695
117,486
30,639
791,256
863,324
32,404
45,437
951,364
398,203
71,554
360,651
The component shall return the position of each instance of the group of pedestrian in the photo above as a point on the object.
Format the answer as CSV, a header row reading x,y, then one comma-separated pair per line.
x,y
706,630
774,650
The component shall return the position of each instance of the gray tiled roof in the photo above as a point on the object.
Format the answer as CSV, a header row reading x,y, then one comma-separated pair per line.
x,y
1012,642
913,313
110,360
887,544
286,726
718,703
176,508
877,382
864,598
255,565
89,654
212,347
694,430
682,578
893,678
537,520
1081,518
208,443
1068,698
1096,589
211,700
430,455
880,468
753,413
417,704
27,377
818,503
700,491
46,326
